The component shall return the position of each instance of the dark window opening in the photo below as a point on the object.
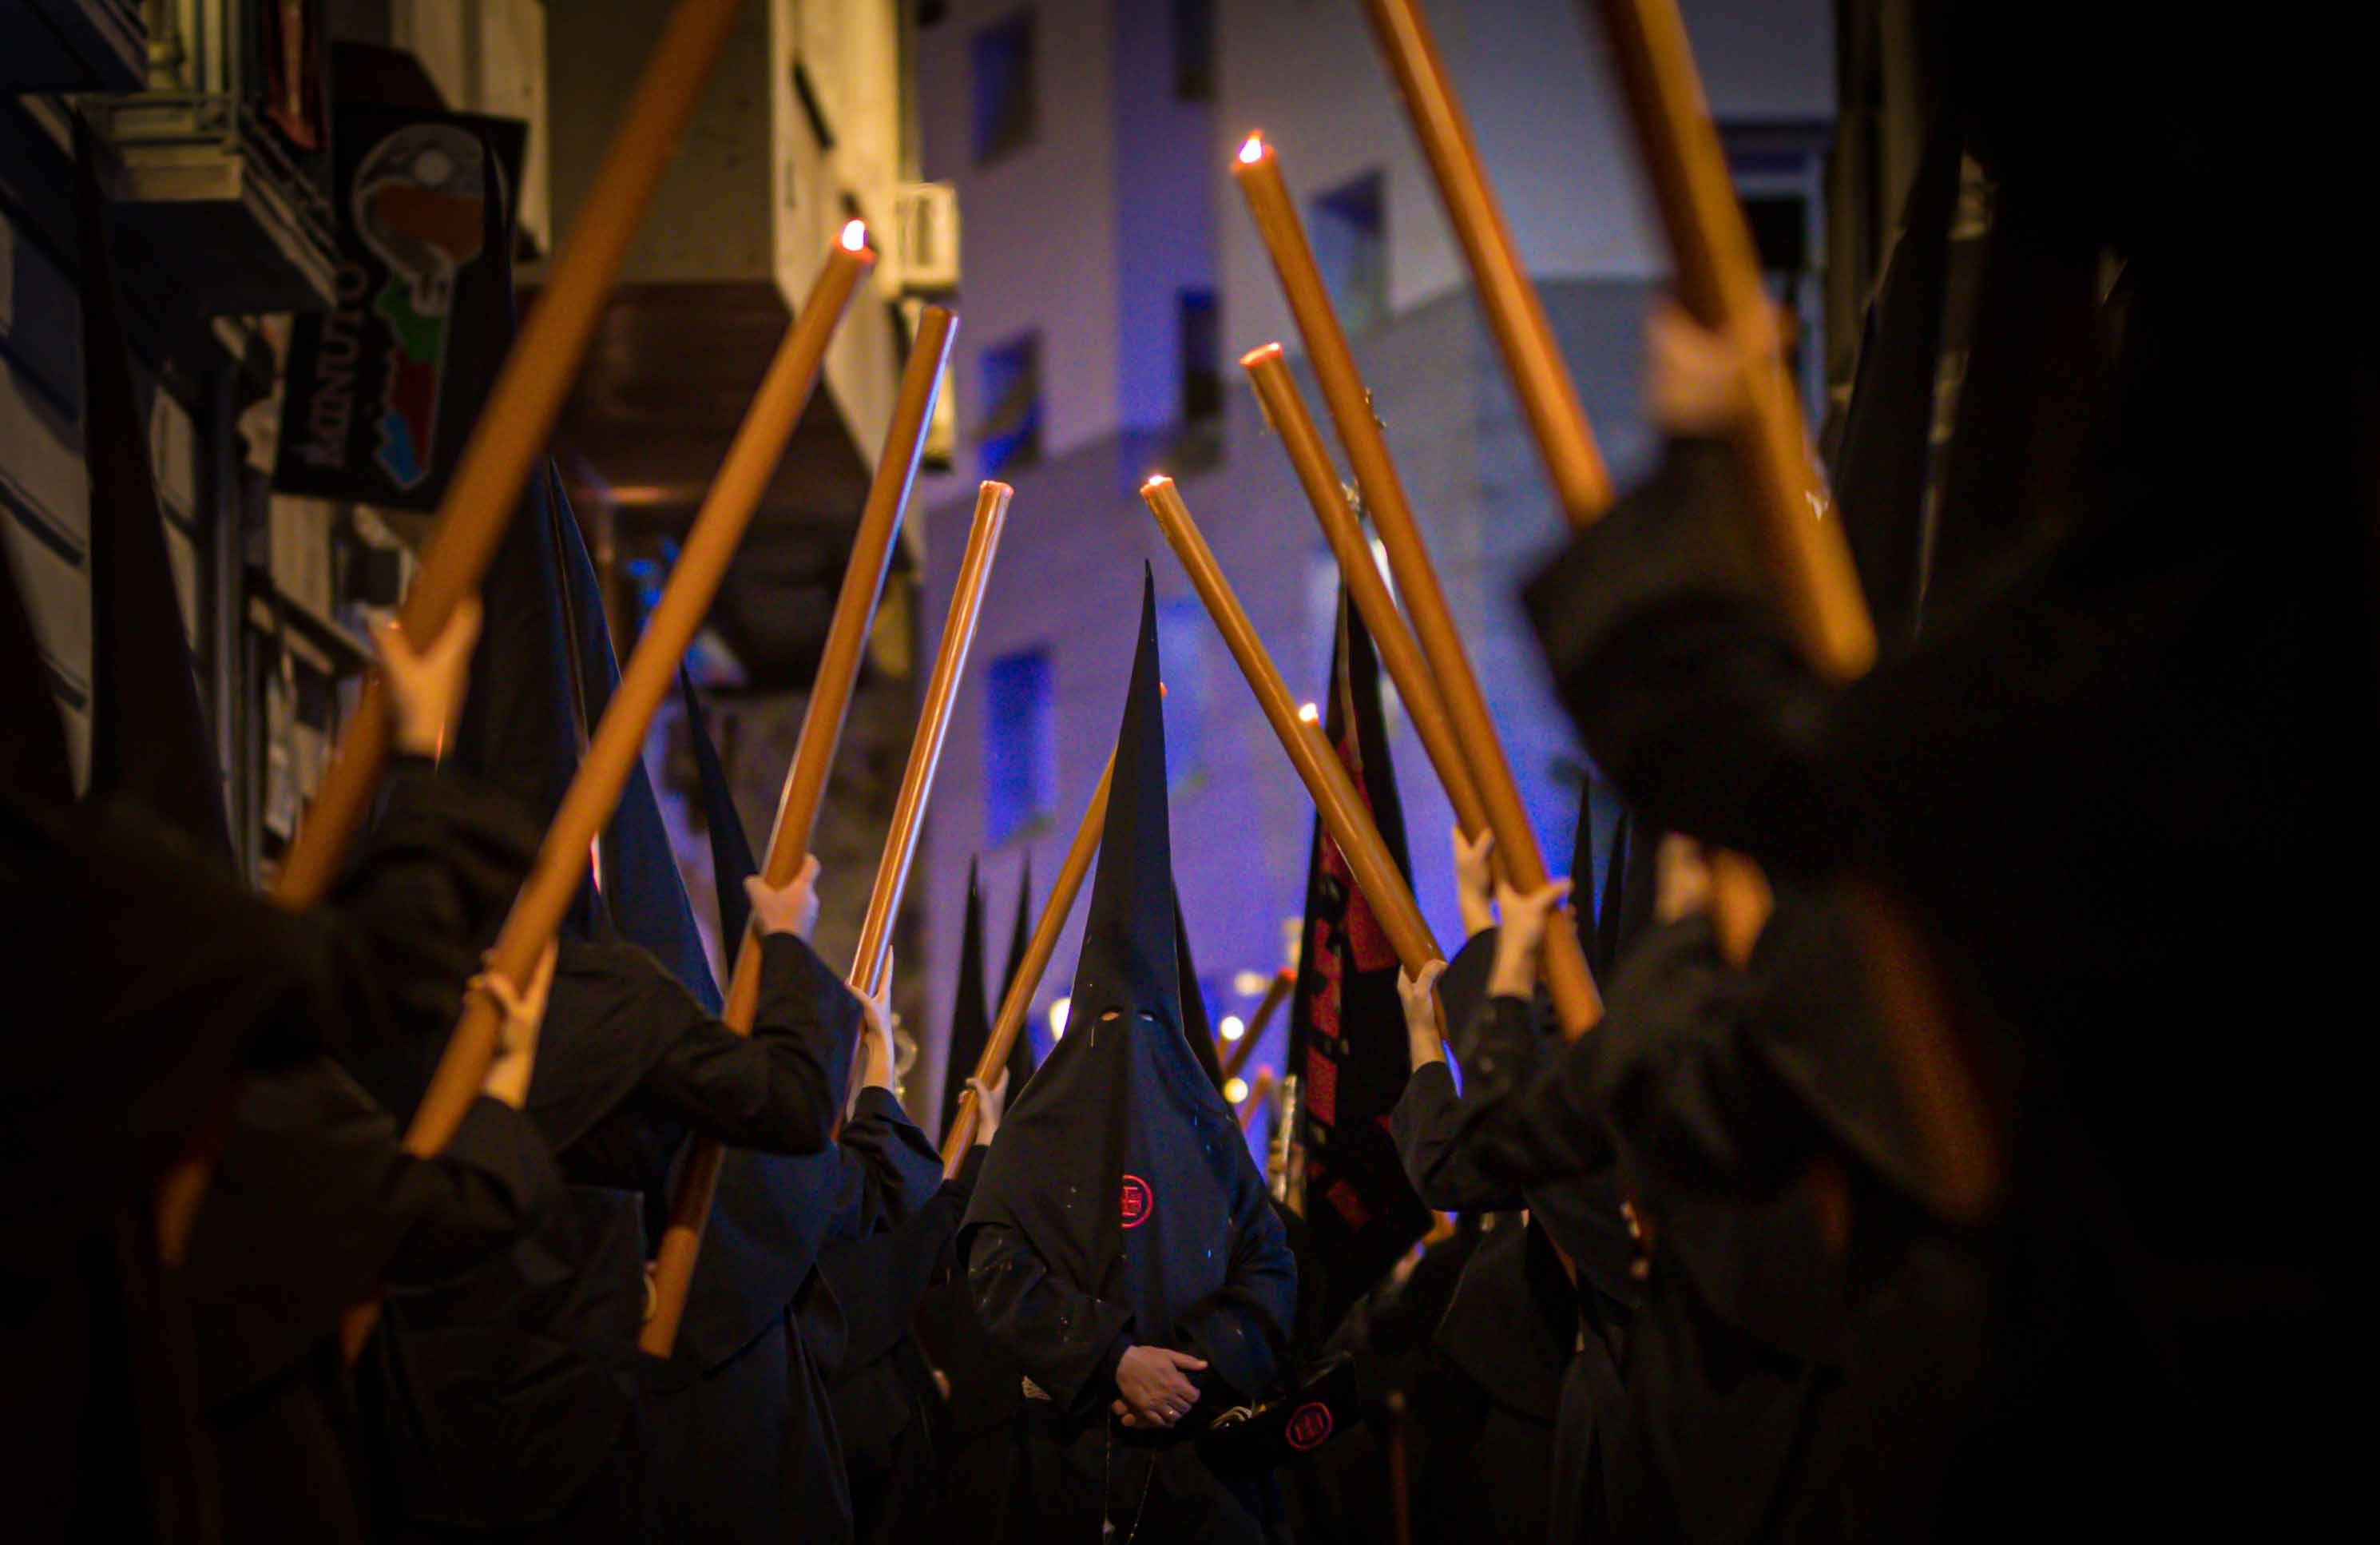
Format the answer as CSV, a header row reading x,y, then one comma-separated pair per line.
x,y
1193,50
1012,412
1201,342
1349,233
1004,88
1020,748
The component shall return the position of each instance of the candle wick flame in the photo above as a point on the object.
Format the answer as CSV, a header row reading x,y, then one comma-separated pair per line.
x,y
855,236
1252,149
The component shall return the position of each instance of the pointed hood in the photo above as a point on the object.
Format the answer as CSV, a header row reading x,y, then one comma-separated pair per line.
x,y
1347,1027
730,851
1119,1164
1020,939
1196,1029
970,1017
149,742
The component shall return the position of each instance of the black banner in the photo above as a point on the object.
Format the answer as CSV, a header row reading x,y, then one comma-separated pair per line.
x,y
1347,1027
377,404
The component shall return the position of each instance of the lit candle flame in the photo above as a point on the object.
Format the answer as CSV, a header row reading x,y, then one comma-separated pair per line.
x,y
1233,1026
855,236
1252,149
1310,713
1235,1090
1157,480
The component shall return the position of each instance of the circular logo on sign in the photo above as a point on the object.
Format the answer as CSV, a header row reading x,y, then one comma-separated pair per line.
x,y
1309,1425
1138,1201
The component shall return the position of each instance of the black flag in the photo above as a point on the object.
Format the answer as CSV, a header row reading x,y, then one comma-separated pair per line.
x,y
1347,1030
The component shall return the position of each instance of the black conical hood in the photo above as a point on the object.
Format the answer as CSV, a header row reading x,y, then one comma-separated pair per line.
x,y
1020,939
730,851
1119,1164
970,1016
149,741
1128,957
1608,907
1194,1027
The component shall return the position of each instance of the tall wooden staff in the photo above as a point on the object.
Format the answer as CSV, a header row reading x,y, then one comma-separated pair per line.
x,y
926,747
1285,408
487,484
797,806
1344,814
1018,1000
1276,992
1576,1003
594,792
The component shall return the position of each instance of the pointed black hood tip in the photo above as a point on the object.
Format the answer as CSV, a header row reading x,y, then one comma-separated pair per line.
x,y
970,1014
1128,964
1194,1026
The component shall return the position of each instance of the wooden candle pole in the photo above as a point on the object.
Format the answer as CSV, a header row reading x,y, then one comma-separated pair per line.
x,y
1018,1000
926,747
1515,316
650,673
1285,408
1276,993
512,427
1344,814
1259,1092
1563,963
1717,279
797,806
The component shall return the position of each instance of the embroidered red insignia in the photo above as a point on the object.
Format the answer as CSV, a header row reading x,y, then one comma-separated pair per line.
x,y
1139,1202
1308,1426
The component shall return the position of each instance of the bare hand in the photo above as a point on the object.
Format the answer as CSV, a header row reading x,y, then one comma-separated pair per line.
x,y
1520,934
1698,380
1682,878
426,687
522,1012
1475,880
1156,1387
1424,1039
990,1101
876,1047
792,908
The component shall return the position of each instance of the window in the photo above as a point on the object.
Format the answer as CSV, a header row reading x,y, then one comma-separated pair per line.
x,y
1350,227
1004,88
1012,406
1020,748
1193,50
1202,356
1182,631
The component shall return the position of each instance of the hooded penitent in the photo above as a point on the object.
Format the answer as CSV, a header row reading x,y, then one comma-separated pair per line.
x,y
970,1016
1118,1165
1347,1028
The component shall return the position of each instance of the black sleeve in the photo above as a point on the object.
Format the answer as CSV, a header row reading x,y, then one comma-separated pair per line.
x,y
903,1169
779,1089
1243,1331
426,893
471,1200
1067,1342
1467,1152
1668,655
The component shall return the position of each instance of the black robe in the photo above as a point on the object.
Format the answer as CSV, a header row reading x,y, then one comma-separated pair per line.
x,y
742,1442
879,1383
2168,707
506,1397
144,977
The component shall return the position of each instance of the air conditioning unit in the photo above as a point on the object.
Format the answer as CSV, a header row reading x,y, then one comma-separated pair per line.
x,y
928,218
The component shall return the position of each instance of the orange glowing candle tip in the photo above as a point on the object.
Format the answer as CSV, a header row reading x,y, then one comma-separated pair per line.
x,y
1252,149
1258,356
855,236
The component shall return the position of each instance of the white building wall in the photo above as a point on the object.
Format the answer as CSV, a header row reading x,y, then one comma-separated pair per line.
x,y
1039,223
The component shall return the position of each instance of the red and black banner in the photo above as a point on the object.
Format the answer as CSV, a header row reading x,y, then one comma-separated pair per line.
x,y
1347,1037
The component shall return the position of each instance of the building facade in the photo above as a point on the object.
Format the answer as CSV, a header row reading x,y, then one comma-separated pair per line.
x,y
1113,281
